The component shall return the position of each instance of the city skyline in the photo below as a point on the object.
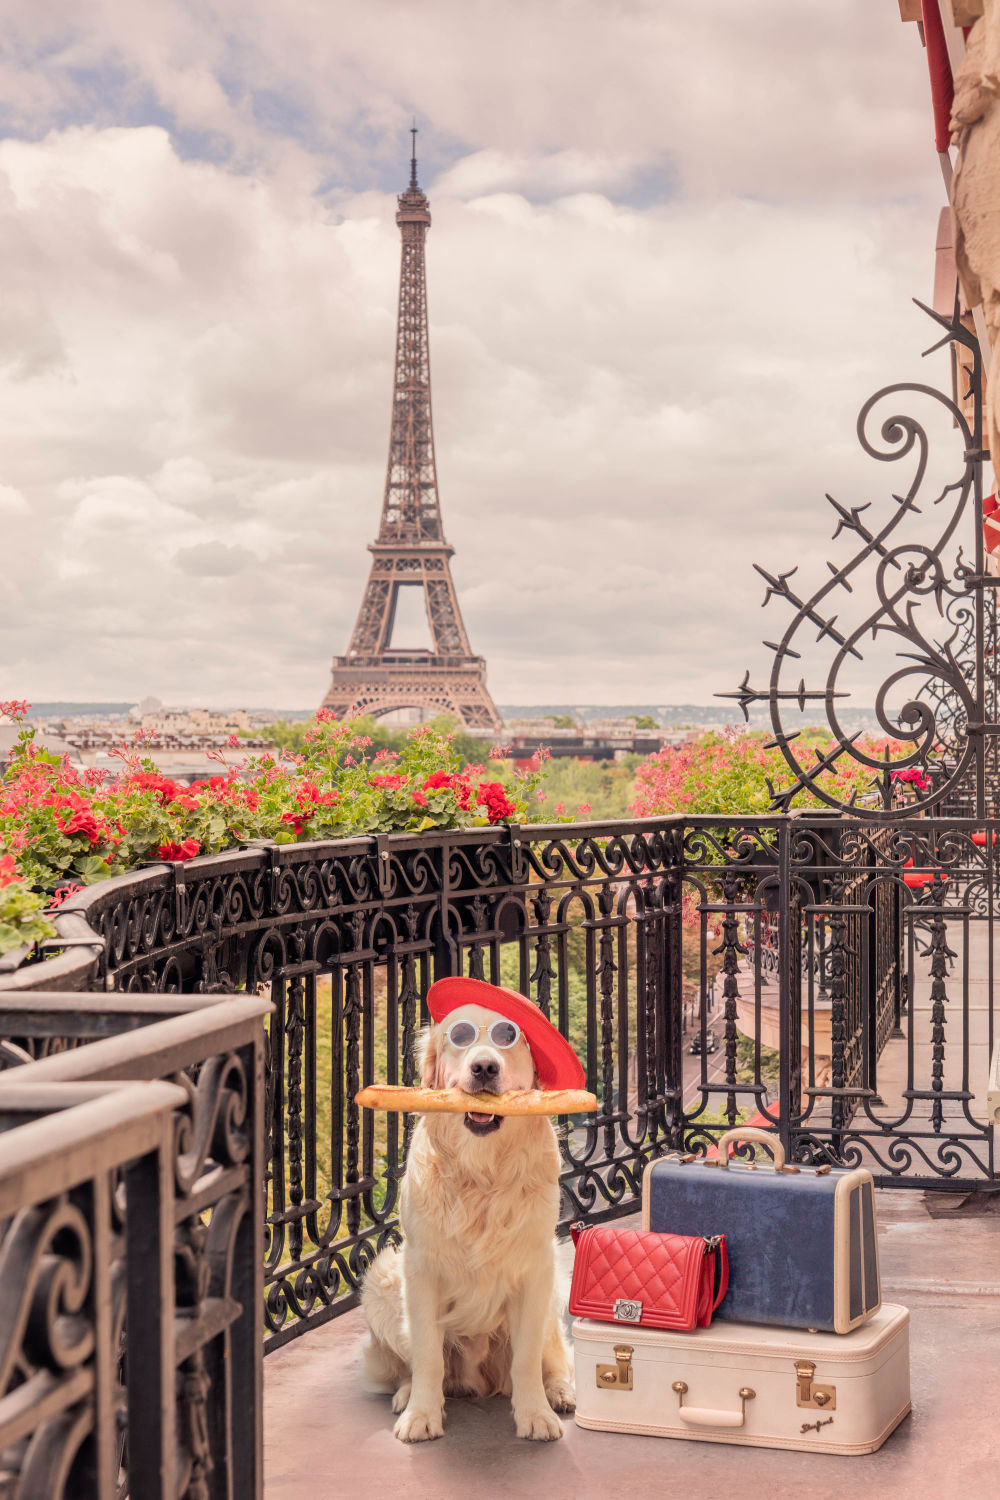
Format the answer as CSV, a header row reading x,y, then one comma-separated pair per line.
x,y
653,320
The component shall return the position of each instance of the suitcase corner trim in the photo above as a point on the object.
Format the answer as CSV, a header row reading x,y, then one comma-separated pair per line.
x,y
858,1178
646,1181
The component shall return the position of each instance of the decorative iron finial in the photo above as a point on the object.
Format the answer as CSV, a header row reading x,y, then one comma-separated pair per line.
x,y
415,186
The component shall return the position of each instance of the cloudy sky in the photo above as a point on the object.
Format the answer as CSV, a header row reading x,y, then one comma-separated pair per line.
x,y
673,250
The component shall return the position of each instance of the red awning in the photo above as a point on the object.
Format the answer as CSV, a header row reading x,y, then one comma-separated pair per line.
x,y
939,66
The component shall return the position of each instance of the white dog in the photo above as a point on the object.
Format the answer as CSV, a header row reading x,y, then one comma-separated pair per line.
x,y
468,1304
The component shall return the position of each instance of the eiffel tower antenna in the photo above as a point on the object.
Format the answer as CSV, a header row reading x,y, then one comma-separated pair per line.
x,y
410,550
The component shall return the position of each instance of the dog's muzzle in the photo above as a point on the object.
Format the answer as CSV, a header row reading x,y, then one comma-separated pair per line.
x,y
482,1123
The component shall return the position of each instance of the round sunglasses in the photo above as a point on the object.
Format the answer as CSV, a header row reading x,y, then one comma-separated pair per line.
x,y
502,1034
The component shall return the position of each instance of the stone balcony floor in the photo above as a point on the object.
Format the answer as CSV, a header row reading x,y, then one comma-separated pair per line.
x,y
325,1438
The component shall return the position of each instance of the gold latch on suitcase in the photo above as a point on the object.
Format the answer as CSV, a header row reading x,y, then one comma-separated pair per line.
x,y
617,1377
822,1396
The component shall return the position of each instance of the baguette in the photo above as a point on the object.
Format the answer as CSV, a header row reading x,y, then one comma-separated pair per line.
x,y
394,1097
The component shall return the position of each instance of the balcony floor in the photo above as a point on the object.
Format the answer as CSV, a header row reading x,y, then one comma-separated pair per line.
x,y
325,1438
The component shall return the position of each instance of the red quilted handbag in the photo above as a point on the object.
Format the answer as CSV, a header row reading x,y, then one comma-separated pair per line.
x,y
653,1280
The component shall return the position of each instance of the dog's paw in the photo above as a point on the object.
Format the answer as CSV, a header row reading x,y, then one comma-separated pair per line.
x,y
561,1393
400,1399
419,1426
541,1424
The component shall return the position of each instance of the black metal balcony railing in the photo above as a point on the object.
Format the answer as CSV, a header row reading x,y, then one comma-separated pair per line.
x,y
131,1218
844,970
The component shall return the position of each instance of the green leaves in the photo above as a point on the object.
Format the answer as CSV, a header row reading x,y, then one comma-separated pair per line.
x,y
22,917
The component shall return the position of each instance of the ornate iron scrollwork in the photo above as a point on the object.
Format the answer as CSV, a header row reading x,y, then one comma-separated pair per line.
x,y
946,719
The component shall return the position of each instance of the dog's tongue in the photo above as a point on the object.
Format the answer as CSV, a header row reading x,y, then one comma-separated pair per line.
x,y
480,1119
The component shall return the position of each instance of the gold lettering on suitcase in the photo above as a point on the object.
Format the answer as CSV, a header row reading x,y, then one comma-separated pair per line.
x,y
617,1377
822,1396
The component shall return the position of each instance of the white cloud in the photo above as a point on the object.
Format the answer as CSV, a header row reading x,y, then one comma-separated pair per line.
x,y
12,502
671,255
551,174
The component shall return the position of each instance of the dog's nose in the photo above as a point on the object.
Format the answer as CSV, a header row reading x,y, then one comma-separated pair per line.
x,y
485,1070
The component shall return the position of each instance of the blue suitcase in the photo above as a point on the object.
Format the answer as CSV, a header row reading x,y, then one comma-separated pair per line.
x,y
803,1246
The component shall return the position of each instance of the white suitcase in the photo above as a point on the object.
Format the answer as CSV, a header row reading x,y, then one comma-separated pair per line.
x,y
743,1383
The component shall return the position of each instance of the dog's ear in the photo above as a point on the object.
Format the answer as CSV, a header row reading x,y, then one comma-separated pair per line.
x,y
428,1053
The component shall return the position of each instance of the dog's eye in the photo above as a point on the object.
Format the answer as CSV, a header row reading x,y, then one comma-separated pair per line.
x,y
504,1033
462,1034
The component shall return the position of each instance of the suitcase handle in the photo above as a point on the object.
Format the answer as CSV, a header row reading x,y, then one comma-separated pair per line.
x,y
751,1133
705,1416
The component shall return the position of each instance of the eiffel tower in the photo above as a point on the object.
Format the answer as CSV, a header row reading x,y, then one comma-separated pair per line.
x,y
410,551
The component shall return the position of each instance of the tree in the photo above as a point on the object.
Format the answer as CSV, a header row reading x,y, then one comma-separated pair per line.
x,y
729,774
289,734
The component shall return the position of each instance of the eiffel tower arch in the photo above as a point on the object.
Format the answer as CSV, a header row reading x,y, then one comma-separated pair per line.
x,y
410,550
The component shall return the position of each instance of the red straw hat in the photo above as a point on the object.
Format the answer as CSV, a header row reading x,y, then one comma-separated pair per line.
x,y
556,1064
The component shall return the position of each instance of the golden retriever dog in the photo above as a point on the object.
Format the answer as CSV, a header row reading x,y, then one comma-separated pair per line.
x,y
468,1304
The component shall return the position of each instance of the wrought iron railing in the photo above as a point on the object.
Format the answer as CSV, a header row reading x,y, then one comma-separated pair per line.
x,y
131,1218
879,942
921,591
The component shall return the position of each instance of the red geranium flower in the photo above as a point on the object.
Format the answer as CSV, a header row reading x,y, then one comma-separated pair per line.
x,y
179,852
152,781
493,797
441,781
84,822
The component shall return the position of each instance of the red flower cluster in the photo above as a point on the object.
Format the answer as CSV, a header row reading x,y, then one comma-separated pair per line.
x,y
309,797
59,824
913,774
441,781
729,772
493,797
179,852
488,794
63,894
72,812
225,789
82,821
152,781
